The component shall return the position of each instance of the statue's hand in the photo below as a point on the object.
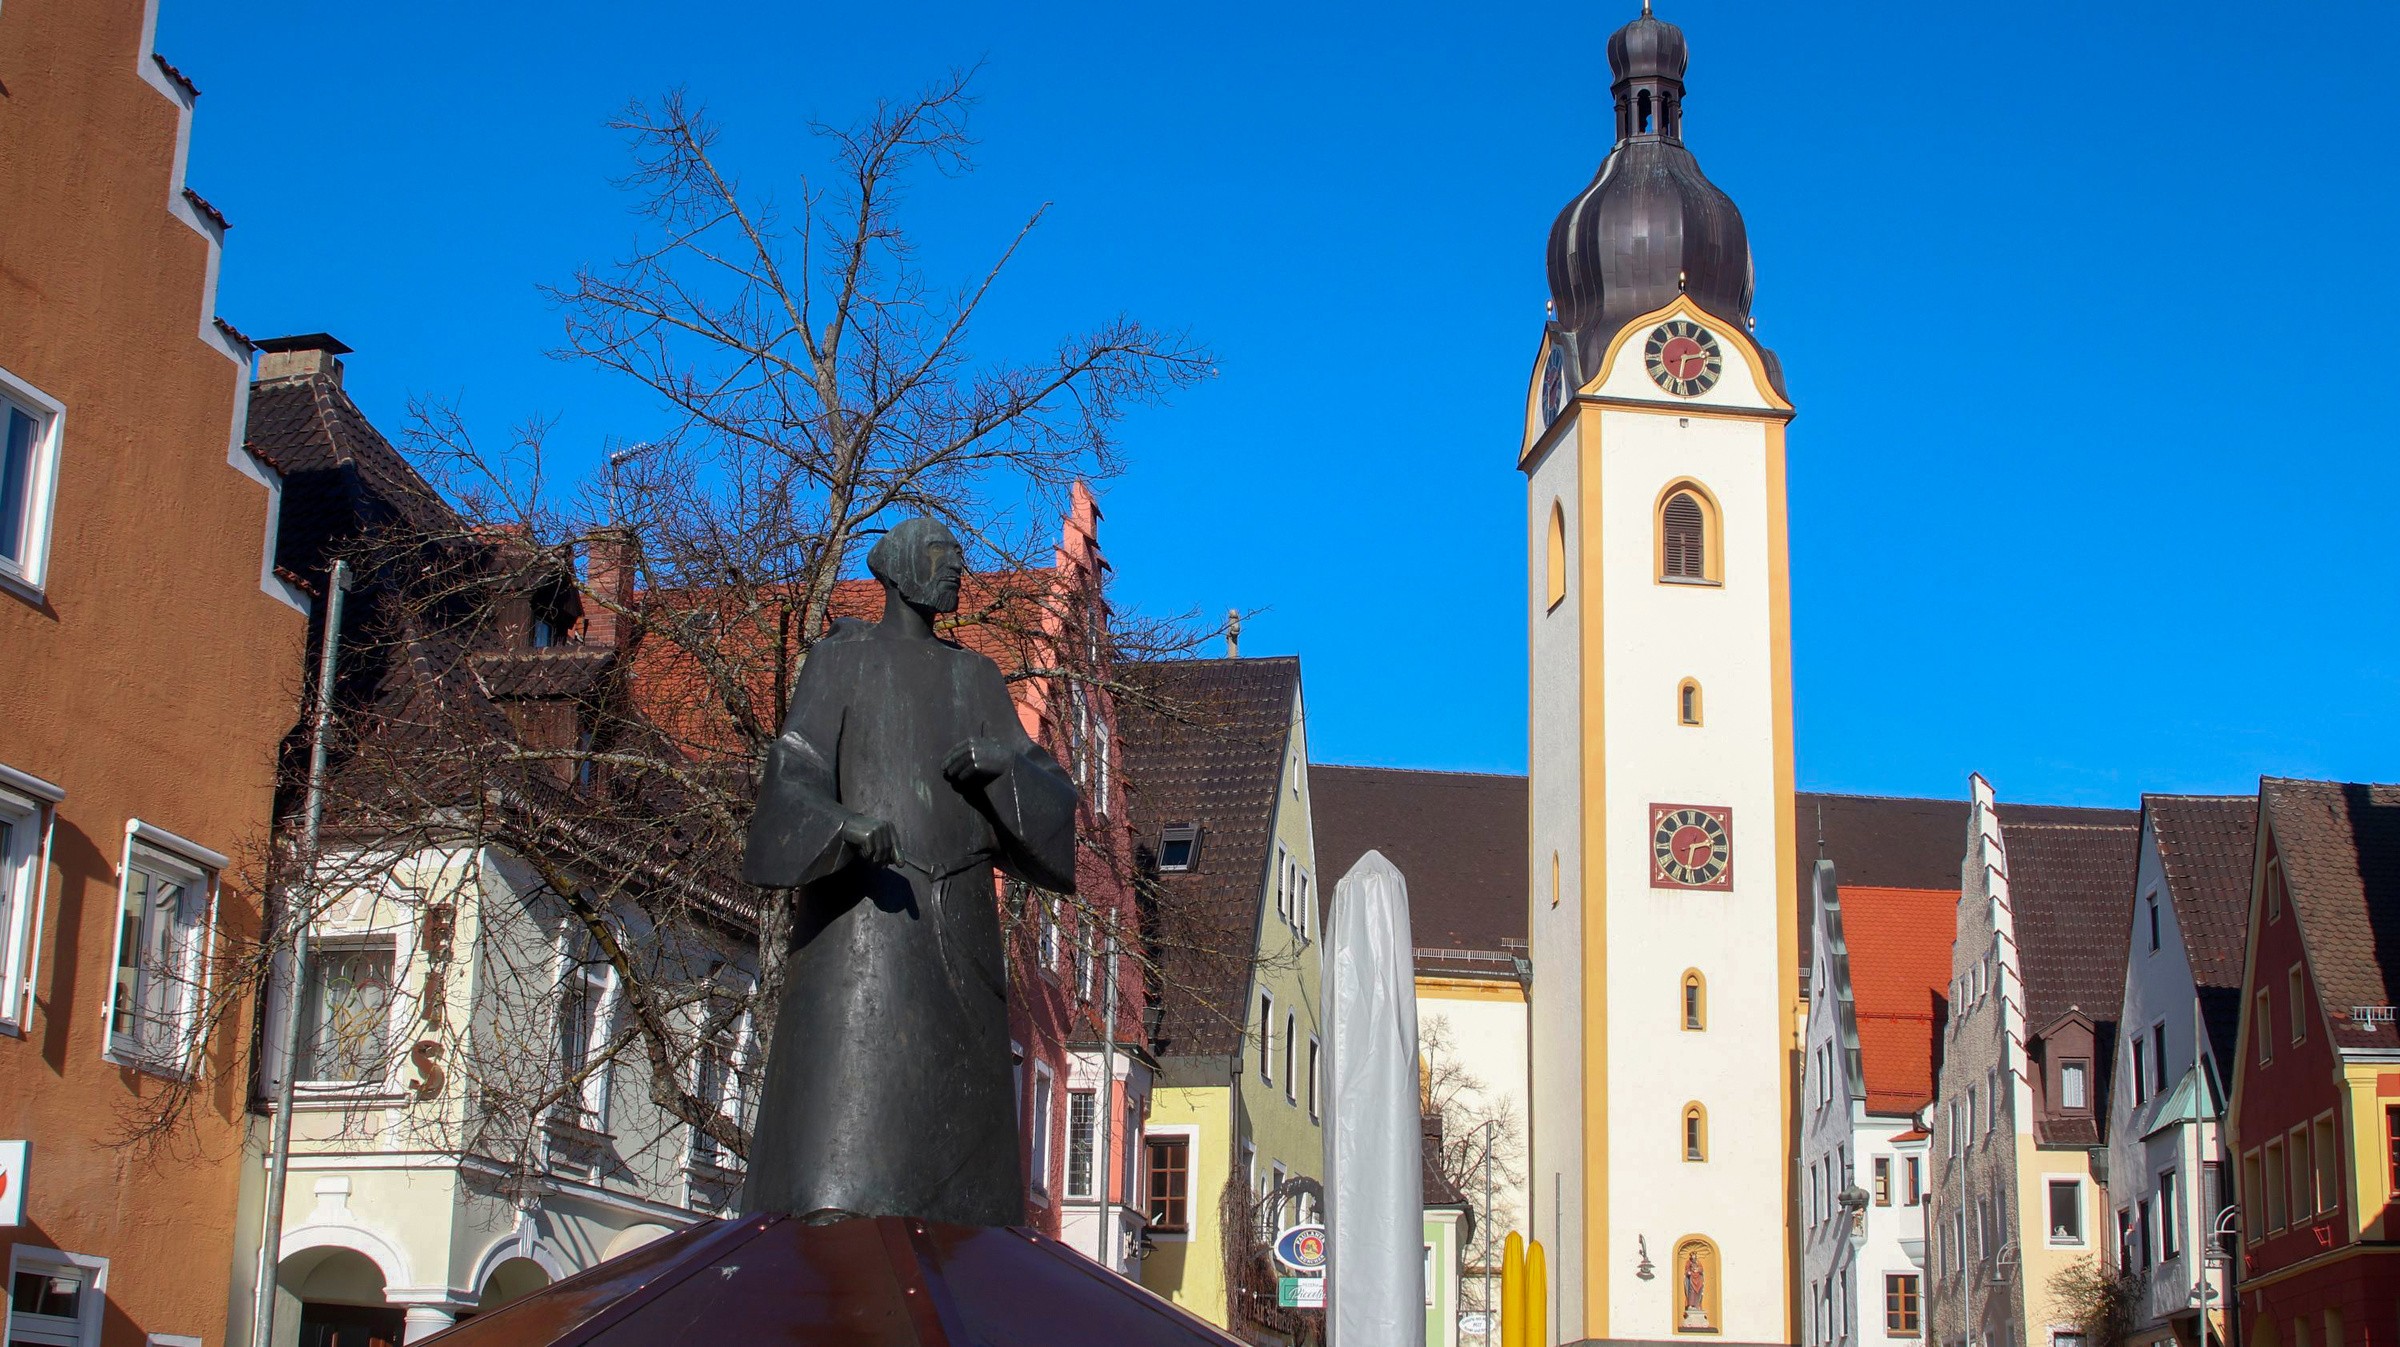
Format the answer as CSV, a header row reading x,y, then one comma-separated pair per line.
x,y
872,838
975,761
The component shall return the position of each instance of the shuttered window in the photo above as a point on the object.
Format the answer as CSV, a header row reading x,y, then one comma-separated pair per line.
x,y
1684,542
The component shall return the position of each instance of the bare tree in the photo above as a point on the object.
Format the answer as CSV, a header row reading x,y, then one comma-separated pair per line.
x,y
555,698
1480,1127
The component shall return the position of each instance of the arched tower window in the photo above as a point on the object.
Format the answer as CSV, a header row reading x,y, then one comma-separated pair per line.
x,y
1644,124
1694,1279
1689,545
1695,1000
1695,1133
1687,702
1554,555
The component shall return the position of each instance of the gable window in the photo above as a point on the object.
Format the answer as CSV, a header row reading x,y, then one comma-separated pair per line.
x,y
2158,1057
2253,1197
2292,999
2275,1185
1695,1000
1314,1075
162,922
2303,1174
1695,1132
1687,544
1687,702
29,433
345,1015
2154,923
1883,1181
1178,846
1291,1052
2139,1082
1266,1037
2329,1165
2263,1027
1554,558
24,840
1170,1183
2066,1211
2074,1085
2275,889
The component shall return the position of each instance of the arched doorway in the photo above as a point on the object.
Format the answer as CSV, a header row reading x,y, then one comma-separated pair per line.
x,y
513,1278
340,1295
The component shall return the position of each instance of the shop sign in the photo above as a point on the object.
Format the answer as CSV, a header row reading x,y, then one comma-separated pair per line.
x,y
12,1182
1301,1293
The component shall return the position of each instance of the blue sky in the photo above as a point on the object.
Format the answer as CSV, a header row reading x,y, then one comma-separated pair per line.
x,y
2088,313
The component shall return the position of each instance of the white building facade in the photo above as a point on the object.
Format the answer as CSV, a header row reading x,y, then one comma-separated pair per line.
x,y
2183,974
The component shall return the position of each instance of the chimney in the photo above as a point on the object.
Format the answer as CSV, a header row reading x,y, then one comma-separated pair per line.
x,y
608,567
1233,633
300,357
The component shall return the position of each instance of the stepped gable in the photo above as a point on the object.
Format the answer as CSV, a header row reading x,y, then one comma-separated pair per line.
x,y
2340,847
2207,845
1459,837
1203,741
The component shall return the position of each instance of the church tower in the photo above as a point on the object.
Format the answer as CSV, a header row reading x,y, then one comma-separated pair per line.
x,y
1664,929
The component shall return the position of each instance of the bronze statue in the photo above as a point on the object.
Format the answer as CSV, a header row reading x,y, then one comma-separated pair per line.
x,y
901,777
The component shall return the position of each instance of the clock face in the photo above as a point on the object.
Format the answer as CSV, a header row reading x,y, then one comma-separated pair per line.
x,y
1691,847
1684,358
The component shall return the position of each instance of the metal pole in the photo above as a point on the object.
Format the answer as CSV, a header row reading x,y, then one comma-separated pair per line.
x,y
1487,1235
279,1152
1108,1107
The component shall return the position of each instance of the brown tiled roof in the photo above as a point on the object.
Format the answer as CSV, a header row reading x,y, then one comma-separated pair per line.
x,y
1459,837
341,478
2071,887
1204,741
2207,845
2340,847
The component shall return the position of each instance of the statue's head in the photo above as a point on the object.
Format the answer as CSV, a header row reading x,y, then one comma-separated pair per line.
x,y
922,561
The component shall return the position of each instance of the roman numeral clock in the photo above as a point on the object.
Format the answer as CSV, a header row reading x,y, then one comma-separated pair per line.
x,y
1691,847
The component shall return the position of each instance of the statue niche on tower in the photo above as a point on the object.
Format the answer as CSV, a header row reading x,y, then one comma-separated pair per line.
x,y
901,777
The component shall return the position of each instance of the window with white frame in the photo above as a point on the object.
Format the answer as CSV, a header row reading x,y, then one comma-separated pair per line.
x,y
1052,957
1315,1076
24,832
162,929
1266,1037
721,1074
30,424
1044,1099
1084,960
586,1006
55,1299
346,1014
1083,1124
1291,1053
2066,1211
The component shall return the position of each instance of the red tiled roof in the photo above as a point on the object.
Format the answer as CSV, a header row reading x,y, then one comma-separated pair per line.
x,y
1899,945
2339,843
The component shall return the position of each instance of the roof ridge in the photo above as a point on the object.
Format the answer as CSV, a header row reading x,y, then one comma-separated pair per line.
x,y
1418,771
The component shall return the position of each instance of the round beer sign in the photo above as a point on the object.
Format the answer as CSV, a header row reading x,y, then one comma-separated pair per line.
x,y
1301,1248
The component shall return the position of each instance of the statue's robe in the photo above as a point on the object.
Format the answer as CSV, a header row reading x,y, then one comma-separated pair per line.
x,y
889,1086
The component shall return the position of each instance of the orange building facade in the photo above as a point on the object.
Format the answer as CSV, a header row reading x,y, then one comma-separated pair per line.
x,y
149,666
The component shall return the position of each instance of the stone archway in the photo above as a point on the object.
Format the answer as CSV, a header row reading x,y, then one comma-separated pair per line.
x,y
333,1296
510,1279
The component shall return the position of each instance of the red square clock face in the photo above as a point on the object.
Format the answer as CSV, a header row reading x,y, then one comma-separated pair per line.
x,y
1691,846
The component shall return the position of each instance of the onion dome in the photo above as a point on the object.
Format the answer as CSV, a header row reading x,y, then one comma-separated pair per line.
x,y
1651,225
